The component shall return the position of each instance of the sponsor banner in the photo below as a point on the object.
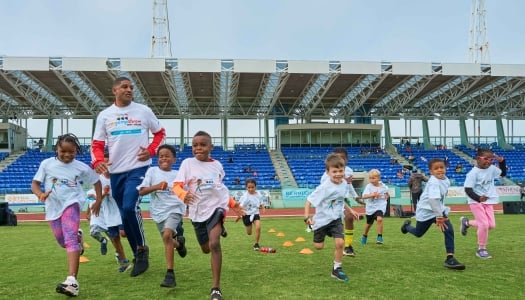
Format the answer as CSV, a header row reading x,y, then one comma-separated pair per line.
x,y
502,190
21,198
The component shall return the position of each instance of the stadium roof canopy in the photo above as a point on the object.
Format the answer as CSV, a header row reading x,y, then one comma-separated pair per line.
x,y
71,87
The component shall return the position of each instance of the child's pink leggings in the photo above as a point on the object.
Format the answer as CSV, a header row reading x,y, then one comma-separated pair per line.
x,y
65,228
484,220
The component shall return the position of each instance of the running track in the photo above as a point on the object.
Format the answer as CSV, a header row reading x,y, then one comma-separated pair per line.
x,y
277,212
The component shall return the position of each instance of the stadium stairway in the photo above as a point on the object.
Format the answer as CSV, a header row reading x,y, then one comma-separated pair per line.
x,y
282,169
10,159
464,156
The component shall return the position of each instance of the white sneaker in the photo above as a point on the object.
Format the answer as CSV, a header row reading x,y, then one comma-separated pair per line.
x,y
68,287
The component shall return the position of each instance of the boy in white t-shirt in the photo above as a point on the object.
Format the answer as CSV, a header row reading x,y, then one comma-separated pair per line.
x,y
166,209
376,196
432,210
328,199
199,183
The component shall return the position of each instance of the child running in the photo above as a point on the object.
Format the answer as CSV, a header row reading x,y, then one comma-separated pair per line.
x,y
167,210
252,202
207,198
431,209
62,176
108,221
376,196
328,199
348,216
482,195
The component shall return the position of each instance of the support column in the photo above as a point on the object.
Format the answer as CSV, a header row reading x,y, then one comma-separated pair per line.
x,y
426,135
182,127
49,136
501,135
224,132
388,136
463,132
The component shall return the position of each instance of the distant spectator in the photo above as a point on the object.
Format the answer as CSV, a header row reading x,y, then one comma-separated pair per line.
x,y
40,144
459,168
255,174
415,184
230,160
275,177
237,180
400,174
248,169
411,158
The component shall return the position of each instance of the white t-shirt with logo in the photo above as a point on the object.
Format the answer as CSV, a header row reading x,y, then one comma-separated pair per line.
x,y
165,202
205,180
251,202
375,204
434,189
482,183
125,130
65,183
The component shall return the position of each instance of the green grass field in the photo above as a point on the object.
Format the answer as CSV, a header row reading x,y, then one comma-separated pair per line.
x,y
405,267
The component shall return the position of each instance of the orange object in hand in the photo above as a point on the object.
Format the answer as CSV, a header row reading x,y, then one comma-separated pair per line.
x,y
106,189
163,185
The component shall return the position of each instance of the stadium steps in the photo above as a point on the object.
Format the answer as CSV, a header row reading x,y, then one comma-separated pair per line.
x,y
464,155
283,171
10,159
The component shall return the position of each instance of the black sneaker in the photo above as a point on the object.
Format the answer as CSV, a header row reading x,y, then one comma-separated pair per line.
x,y
453,263
404,229
256,247
81,241
182,246
339,274
141,262
224,233
463,225
215,294
349,251
104,246
169,280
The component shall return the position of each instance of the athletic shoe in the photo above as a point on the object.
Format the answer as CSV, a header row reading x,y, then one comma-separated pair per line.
x,y
363,240
463,225
182,246
81,241
215,294
379,240
404,229
453,263
256,247
349,251
140,262
483,253
104,246
339,274
224,233
68,287
124,265
169,280
117,258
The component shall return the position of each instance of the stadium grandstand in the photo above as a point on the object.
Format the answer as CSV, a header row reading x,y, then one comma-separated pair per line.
x,y
332,103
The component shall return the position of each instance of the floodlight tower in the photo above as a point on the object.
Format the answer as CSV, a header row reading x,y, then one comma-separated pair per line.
x,y
160,37
479,42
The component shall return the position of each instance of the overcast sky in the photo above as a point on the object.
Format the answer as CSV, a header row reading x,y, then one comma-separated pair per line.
x,y
369,30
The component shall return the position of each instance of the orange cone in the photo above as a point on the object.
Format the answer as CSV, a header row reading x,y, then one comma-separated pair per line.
x,y
83,259
271,230
287,244
300,239
306,251
280,234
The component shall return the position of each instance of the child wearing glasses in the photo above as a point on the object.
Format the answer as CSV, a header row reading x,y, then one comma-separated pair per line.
x,y
482,195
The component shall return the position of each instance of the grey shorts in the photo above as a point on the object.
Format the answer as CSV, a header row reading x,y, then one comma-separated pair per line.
x,y
172,222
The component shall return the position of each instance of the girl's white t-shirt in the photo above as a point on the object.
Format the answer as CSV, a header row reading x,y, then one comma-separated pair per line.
x,y
65,183
482,183
251,202
109,215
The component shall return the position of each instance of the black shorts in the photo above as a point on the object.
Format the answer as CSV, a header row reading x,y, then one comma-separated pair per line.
x,y
371,218
202,229
333,229
246,219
